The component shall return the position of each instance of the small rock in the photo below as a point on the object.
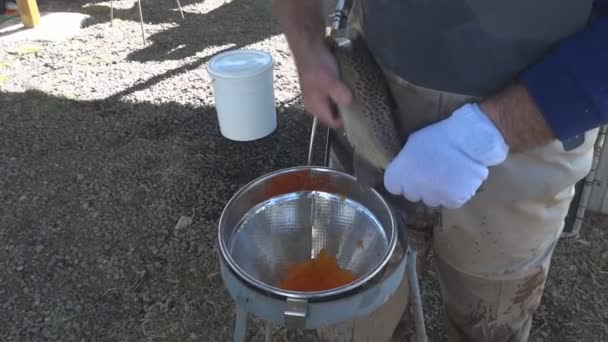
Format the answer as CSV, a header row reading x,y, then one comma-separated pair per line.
x,y
311,338
19,268
146,298
183,222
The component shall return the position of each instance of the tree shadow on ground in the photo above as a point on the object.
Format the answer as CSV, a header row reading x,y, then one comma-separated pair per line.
x,y
200,32
159,78
87,181
237,23
153,12
110,123
240,23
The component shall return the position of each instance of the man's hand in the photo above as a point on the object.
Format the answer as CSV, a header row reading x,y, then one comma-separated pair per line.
x,y
321,85
303,25
445,163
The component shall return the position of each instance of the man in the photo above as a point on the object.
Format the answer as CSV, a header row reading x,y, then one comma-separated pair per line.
x,y
500,103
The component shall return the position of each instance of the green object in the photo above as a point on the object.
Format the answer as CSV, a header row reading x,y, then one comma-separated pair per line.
x,y
4,18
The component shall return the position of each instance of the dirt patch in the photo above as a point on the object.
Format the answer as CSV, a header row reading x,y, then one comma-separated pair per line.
x,y
106,143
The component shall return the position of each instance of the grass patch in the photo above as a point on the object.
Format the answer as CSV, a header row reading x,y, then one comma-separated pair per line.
x,y
4,116
26,50
57,319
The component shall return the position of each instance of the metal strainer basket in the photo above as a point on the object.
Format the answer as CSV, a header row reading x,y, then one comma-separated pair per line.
x,y
288,216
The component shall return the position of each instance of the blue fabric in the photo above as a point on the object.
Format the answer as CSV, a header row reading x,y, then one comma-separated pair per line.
x,y
570,85
602,6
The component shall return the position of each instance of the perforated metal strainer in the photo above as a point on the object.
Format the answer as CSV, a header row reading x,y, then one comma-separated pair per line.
x,y
288,216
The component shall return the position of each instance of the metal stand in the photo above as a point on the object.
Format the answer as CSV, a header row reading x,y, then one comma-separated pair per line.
x,y
181,12
141,16
416,297
588,185
303,315
141,21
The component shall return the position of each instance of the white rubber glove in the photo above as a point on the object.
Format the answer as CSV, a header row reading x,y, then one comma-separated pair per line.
x,y
445,163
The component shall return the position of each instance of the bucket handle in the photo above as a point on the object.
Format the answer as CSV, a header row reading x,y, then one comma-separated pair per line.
x,y
311,145
336,21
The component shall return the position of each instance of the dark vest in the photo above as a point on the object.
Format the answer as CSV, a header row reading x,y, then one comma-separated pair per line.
x,y
471,47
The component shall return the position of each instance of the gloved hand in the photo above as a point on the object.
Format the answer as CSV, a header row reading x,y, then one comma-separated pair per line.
x,y
445,163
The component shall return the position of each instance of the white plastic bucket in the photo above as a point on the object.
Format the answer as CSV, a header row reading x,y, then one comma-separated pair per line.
x,y
243,90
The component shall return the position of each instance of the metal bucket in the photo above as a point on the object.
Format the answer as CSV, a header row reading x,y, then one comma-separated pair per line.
x,y
287,216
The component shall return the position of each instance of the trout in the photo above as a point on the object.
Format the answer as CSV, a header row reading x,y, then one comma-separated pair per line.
x,y
369,120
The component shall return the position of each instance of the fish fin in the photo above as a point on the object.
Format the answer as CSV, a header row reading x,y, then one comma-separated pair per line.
x,y
366,173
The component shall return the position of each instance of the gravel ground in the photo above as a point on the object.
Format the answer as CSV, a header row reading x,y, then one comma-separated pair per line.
x,y
106,143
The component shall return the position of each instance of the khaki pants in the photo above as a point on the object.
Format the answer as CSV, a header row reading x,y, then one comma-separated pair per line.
x,y
493,254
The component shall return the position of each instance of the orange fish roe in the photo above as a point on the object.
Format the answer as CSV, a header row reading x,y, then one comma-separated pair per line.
x,y
318,274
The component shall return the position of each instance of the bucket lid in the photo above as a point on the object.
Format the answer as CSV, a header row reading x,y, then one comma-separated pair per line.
x,y
239,63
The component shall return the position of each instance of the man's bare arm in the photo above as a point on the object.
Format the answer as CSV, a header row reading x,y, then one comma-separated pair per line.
x,y
516,115
302,23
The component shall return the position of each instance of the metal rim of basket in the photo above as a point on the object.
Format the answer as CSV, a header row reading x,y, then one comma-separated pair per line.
x,y
361,282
